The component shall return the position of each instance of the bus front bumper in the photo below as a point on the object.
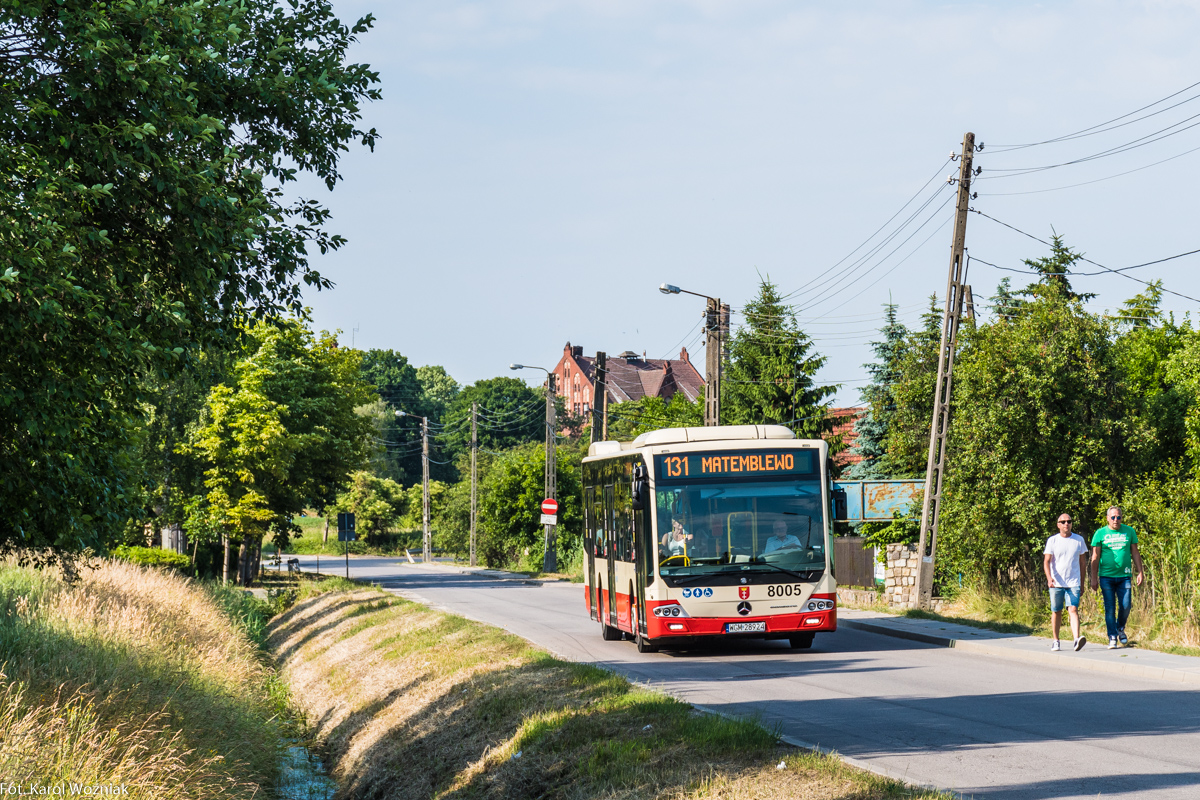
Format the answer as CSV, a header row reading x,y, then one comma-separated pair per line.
x,y
776,626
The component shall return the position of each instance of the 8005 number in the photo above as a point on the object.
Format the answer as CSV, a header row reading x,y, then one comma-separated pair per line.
x,y
786,590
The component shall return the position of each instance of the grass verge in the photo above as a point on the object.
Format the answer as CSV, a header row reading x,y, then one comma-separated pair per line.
x,y
138,678
1024,611
409,702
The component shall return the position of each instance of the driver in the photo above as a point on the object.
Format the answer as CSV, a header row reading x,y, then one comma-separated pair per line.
x,y
782,540
674,543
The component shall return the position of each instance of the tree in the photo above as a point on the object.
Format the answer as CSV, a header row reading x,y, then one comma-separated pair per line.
x,y
245,448
630,419
1035,433
771,369
510,413
142,215
377,504
303,389
872,427
1052,271
510,532
907,435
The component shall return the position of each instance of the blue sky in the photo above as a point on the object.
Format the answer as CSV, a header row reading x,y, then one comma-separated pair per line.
x,y
544,166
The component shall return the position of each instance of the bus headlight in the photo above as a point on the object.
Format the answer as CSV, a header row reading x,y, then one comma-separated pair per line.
x,y
670,610
819,605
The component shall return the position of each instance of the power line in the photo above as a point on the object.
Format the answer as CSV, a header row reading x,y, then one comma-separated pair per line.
x,y
937,173
1097,263
1102,127
1088,183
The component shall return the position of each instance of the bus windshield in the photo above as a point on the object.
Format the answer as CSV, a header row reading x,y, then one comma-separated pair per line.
x,y
746,524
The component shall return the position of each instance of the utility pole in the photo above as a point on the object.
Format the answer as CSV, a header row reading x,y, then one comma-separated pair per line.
x,y
940,425
550,561
426,554
474,475
712,361
600,399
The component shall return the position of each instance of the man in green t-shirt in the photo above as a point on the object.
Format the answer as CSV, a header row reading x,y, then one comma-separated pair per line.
x,y
1114,555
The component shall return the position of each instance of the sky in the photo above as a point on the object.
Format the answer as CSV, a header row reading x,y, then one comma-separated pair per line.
x,y
543,166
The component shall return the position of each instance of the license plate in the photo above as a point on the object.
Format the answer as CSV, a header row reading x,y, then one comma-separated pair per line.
x,y
746,627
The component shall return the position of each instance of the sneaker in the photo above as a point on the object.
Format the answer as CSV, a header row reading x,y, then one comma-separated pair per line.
x,y
1080,642
1055,646
1122,637
1112,643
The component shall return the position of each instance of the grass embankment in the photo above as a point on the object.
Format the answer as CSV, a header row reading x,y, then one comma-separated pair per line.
x,y
1024,611
413,703
132,676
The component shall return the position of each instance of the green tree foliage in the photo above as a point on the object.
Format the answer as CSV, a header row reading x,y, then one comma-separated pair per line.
x,y
1053,271
302,390
771,369
872,427
142,214
1035,433
377,504
629,420
511,413
510,532
907,435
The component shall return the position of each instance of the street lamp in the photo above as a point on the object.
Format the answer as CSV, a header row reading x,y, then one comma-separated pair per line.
x,y
426,548
549,560
715,316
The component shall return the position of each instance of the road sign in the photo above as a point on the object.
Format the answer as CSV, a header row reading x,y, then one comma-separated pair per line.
x,y
347,536
549,519
549,506
345,523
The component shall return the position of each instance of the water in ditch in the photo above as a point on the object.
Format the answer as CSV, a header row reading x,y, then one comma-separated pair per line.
x,y
302,776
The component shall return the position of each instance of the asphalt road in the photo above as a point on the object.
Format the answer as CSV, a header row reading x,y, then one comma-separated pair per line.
x,y
979,725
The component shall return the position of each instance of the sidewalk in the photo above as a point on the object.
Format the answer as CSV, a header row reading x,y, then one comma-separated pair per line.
x,y
1095,656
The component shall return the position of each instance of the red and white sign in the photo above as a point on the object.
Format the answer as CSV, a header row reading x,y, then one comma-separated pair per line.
x,y
549,506
744,592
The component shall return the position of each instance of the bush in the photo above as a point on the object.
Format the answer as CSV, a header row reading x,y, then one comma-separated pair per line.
x,y
153,557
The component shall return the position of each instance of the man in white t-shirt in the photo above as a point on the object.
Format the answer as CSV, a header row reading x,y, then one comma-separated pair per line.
x,y
1065,563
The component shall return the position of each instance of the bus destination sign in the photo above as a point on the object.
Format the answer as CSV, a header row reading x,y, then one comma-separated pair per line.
x,y
732,464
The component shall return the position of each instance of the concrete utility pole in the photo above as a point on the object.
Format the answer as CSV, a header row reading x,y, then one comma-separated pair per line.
x,y
716,327
426,545
712,362
600,400
956,290
474,475
550,561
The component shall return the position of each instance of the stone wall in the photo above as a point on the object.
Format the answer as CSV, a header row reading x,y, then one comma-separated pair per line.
x,y
900,578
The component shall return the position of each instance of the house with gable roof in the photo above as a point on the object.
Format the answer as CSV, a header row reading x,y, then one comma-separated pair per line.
x,y
630,377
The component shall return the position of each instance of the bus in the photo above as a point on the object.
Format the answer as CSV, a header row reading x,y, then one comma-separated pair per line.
x,y
694,534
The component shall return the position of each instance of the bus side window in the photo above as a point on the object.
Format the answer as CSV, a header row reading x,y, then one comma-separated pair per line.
x,y
589,521
610,527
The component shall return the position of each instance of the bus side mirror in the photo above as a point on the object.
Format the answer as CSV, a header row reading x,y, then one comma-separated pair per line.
x,y
638,499
839,504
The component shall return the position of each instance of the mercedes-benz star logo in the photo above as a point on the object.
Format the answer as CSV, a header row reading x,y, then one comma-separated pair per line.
x,y
744,608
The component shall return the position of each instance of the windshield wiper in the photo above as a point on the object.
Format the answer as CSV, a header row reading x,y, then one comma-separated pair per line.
x,y
799,575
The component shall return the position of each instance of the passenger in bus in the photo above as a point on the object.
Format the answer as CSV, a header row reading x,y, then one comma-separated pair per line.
x,y
675,542
782,540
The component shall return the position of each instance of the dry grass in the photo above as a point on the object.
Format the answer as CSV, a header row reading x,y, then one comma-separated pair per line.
x,y
1028,612
131,676
413,703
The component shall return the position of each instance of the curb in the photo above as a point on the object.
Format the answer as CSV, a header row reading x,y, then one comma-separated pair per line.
x,y
1013,654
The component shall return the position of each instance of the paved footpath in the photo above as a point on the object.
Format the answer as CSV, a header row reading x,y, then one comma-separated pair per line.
x,y
995,716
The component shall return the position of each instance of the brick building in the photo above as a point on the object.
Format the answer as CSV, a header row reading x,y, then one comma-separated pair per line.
x,y
630,377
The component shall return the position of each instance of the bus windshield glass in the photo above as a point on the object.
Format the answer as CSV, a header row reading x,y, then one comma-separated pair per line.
x,y
766,517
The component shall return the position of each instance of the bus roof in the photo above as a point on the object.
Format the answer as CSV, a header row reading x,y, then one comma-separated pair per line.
x,y
714,433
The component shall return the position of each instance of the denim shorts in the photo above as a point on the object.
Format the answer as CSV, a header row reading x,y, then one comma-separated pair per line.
x,y
1059,593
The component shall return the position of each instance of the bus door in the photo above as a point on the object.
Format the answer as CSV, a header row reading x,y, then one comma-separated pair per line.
x,y
590,545
644,552
610,548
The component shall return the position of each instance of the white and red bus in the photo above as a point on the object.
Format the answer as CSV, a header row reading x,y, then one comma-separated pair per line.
x,y
704,533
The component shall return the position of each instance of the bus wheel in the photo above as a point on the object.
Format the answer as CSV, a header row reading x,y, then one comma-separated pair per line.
x,y
609,634
802,641
644,646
